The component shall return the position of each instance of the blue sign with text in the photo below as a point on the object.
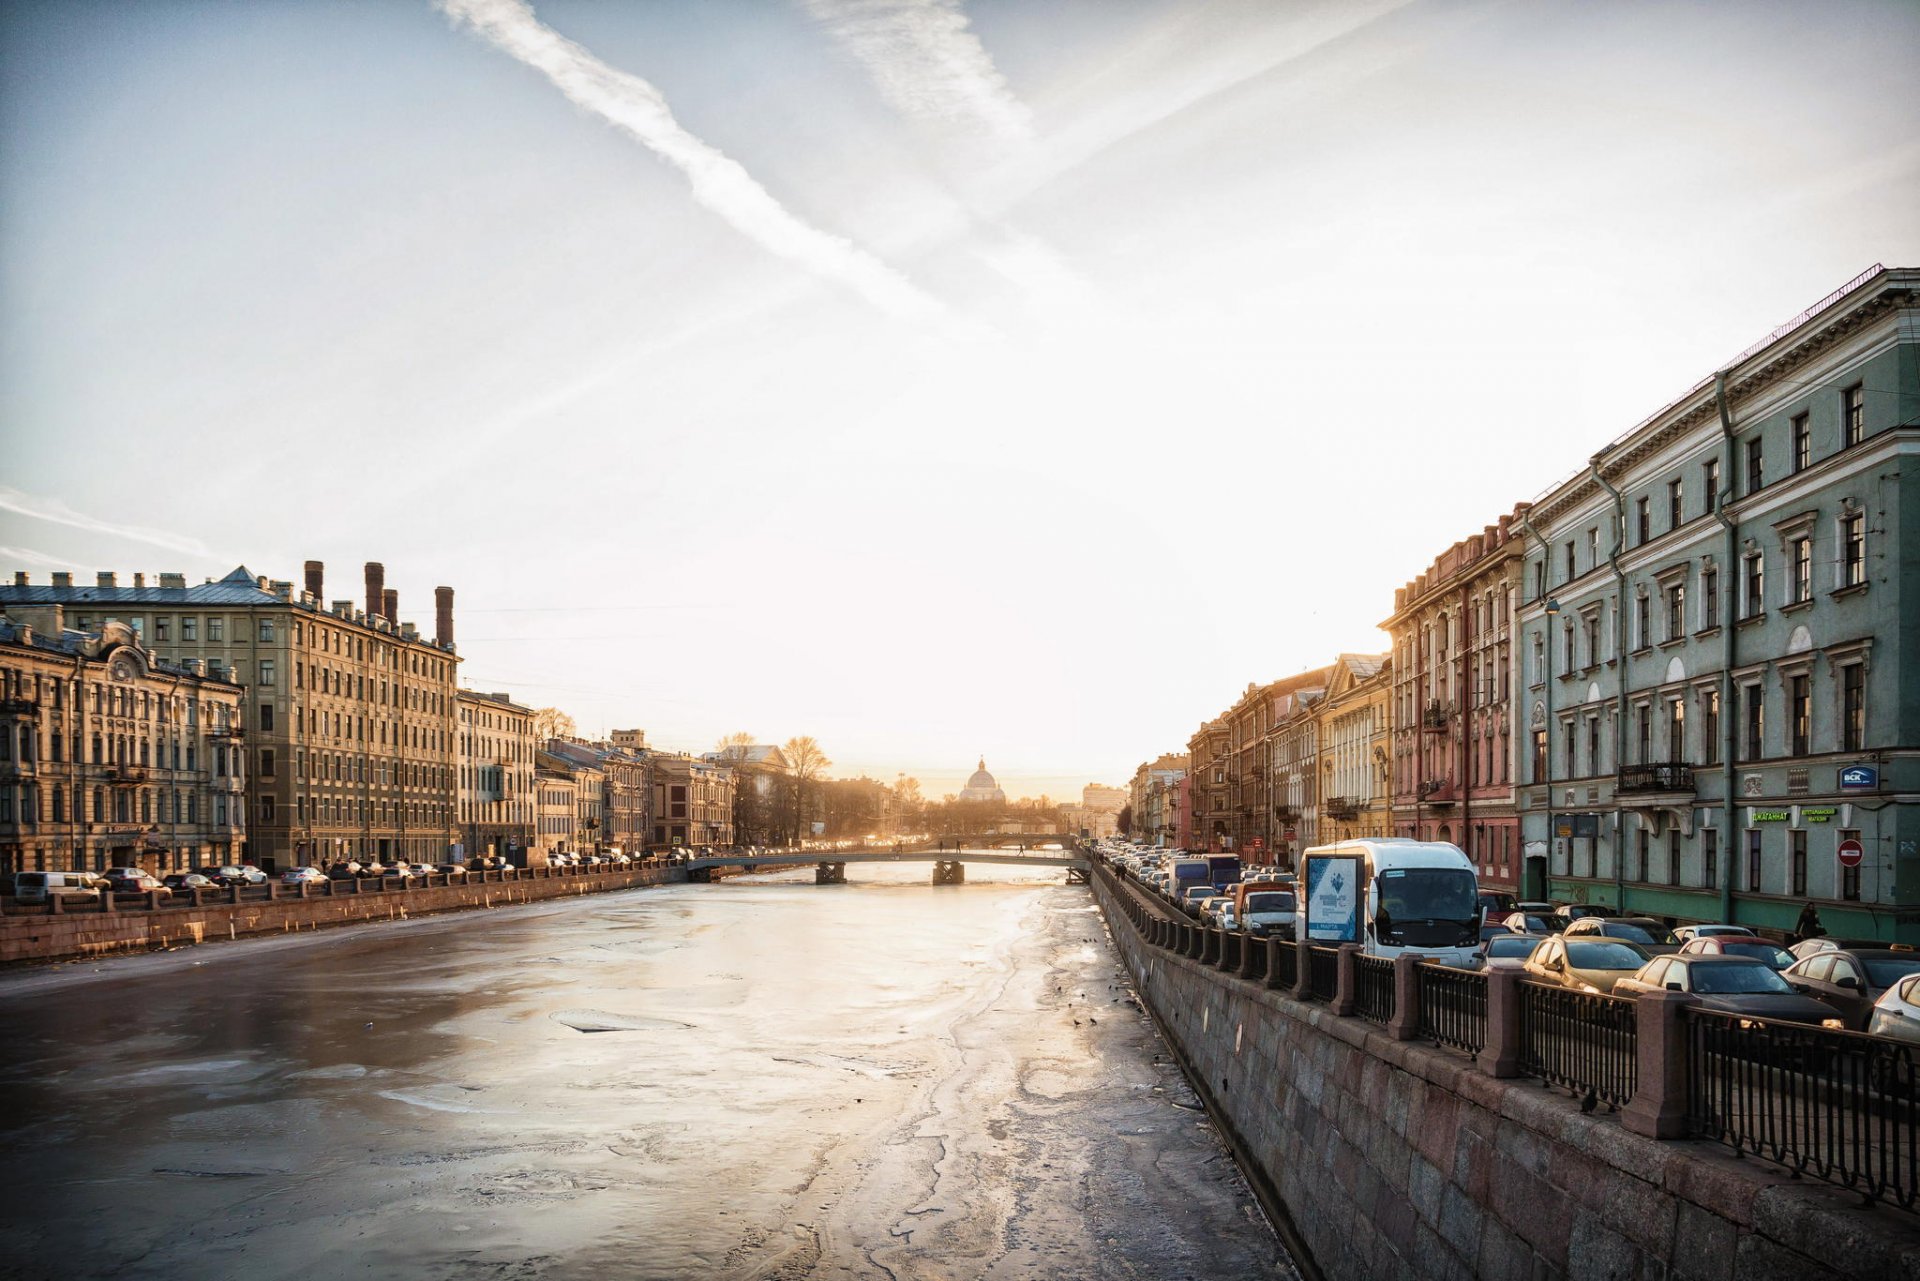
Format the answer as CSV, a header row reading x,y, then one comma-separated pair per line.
x,y
1859,776
1334,891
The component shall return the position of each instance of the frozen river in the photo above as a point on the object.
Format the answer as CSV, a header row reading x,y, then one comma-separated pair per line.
x,y
761,1078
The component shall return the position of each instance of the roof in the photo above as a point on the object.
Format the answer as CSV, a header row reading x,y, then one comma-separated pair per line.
x,y
94,647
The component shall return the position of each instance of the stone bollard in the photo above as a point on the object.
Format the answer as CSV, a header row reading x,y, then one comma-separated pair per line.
x,y
196,891
1345,988
233,893
304,887
273,890
1302,971
1658,1108
1502,1054
55,904
107,903
1405,1023
153,900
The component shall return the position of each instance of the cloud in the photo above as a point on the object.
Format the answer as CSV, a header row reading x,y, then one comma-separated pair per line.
x,y
926,63
36,559
56,512
719,184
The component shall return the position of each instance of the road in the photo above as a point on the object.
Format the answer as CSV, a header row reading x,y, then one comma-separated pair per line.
x,y
756,1079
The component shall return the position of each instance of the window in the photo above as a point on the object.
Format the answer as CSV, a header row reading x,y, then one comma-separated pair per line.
x,y
1676,729
1593,547
1643,519
1853,415
1755,738
1566,647
1640,637
1644,739
1801,588
1540,756
1853,708
1592,622
1849,876
1570,570
266,809
1673,856
216,630
189,629
266,629
1676,504
1709,858
1755,569
1800,708
1642,844
266,762
267,676
1853,549
1676,610
1802,442
1539,578
1709,597
1756,466
1753,860
1710,477
162,630
1797,863
1593,745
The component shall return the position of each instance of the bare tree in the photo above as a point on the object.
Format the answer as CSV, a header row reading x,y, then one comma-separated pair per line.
x,y
550,723
734,747
805,764
750,822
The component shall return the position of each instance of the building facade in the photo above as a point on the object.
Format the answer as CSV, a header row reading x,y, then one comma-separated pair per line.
x,y
1453,709
1208,794
1154,795
349,713
1352,726
1721,712
111,756
496,746
692,802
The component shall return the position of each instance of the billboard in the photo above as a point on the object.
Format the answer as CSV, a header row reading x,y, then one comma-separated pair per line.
x,y
1335,883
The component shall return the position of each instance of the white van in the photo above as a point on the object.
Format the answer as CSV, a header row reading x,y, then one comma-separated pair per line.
x,y
1412,896
39,887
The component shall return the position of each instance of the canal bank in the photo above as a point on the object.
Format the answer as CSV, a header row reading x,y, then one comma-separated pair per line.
x,y
760,1078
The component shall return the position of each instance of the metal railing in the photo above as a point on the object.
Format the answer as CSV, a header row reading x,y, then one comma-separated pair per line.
x,y
1586,1042
1453,1007
1323,972
1838,1106
1670,776
1286,967
1373,988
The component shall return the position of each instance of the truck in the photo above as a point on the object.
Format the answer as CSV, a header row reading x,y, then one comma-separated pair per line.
x,y
1223,869
1419,897
1263,908
1187,872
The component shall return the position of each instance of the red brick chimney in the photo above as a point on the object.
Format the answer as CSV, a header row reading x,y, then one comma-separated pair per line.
x,y
316,578
376,587
390,605
443,617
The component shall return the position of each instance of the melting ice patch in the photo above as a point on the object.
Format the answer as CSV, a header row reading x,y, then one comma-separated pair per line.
x,y
601,1021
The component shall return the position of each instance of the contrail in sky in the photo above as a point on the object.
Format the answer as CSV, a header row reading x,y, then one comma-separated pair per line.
x,y
926,62
719,184
56,512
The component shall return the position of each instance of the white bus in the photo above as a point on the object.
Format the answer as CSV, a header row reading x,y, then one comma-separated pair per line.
x,y
1412,896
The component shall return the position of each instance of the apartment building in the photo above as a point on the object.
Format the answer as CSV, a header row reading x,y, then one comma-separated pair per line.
x,y
1719,685
496,805
1352,725
111,756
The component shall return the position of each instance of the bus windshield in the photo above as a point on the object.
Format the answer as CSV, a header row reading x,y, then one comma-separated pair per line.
x,y
1429,894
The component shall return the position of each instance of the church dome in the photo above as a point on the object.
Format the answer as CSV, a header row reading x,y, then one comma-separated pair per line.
x,y
981,787
981,779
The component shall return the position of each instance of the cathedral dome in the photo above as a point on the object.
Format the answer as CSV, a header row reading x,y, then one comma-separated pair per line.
x,y
981,787
981,779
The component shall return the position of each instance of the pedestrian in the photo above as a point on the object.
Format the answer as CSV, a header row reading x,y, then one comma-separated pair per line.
x,y
1808,926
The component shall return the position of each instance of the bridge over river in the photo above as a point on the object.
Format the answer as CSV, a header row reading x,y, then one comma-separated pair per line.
x,y
949,866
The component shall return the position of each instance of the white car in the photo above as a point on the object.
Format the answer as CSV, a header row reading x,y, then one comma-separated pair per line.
x,y
1897,1013
303,876
1688,933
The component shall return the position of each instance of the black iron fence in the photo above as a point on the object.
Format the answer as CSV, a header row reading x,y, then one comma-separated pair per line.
x,y
1586,1042
1838,1106
1453,1006
1286,966
1323,972
1373,988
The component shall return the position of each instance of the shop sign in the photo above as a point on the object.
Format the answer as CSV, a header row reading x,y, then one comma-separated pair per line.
x,y
1817,813
1771,816
1858,776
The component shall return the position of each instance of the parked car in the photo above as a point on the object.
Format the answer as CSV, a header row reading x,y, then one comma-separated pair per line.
x,y
1591,964
1532,923
1192,896
1897,1012
1853,980
42,887
303,876
1571,912
1506,951
1749,946
232,875
1813,947
1731,985
1688,933
187,882
1642,931
132,880
1213,906
347,871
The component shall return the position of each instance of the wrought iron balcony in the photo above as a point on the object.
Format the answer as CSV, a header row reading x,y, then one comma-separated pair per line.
x,y
1669,779
1344,808
125,773
1287,813
1437,791
1435,719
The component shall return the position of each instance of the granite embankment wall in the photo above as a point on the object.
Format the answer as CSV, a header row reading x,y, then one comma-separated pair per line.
x,y
83,929
1393,1159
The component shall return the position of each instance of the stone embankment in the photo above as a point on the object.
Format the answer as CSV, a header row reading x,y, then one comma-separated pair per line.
x,y
89,927
1390,1158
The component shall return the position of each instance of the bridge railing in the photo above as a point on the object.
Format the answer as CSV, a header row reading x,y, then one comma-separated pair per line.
x,y
1584,1041
1373,989
1323,972
1453,1007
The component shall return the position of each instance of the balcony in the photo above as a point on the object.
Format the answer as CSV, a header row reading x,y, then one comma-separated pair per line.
x,y
1343,808
226,731
1287,813
1654,782
1436,718
125,773
19,707
1437,791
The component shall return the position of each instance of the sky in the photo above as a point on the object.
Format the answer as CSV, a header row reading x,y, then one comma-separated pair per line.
x,y
940,379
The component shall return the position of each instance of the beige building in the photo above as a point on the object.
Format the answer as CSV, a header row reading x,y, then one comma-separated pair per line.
x,y
349,713
1354,730
692,802
111,756
556,815
624,814
1154,795
587,835
496,746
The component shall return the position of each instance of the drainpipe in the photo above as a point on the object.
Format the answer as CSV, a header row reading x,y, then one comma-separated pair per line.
x,y
1620,682
1729,727
1552,609
1462,761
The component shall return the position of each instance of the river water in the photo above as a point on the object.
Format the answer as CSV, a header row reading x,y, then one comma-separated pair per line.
x,y
761,1078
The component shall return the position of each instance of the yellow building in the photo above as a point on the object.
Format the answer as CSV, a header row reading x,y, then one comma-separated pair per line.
x,y
1355,737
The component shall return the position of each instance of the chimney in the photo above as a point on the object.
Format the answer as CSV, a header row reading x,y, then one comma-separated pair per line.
x,y
105,578
390,605
342,608
376,585
178,581
139,580
443,617
19,578
61,578
316,579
